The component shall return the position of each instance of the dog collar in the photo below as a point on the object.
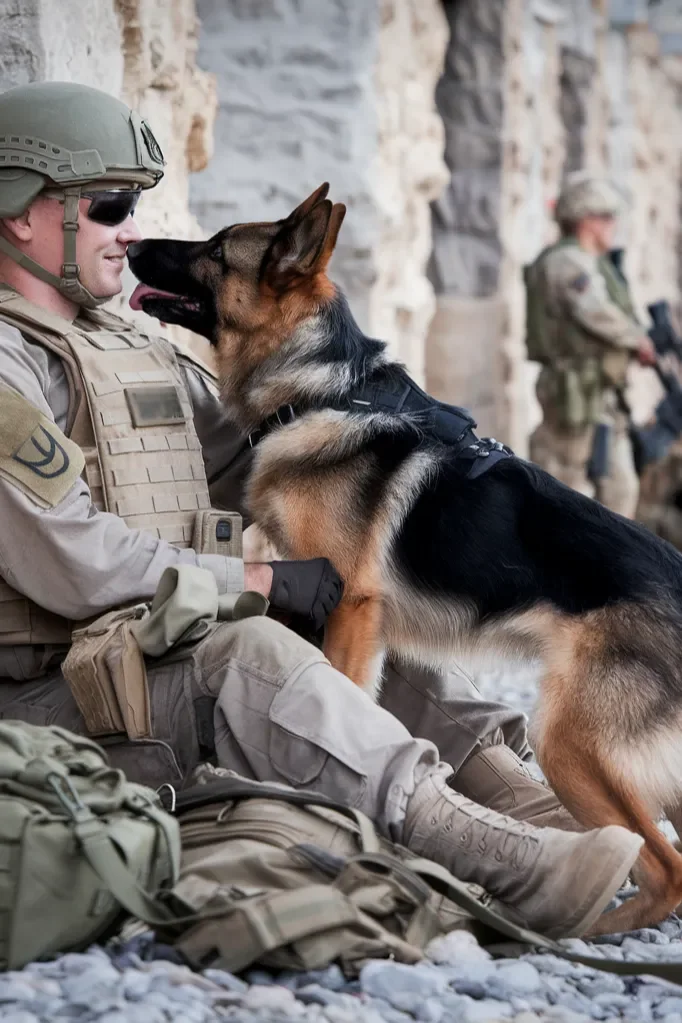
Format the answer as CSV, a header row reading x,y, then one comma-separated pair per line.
x,y
284,415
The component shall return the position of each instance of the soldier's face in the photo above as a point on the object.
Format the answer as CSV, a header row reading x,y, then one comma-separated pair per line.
x,y
101,252
100,248
603,231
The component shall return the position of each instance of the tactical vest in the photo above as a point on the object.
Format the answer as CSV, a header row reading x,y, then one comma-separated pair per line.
x,y
616,286
552,335
577,367
130,415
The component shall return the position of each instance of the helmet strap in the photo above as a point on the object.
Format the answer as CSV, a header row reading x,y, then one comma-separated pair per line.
x,y
69,283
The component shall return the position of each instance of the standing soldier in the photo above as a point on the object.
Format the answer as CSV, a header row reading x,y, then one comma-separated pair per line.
x,y
582,328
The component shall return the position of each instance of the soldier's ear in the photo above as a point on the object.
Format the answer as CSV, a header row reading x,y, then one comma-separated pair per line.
x,y
19,227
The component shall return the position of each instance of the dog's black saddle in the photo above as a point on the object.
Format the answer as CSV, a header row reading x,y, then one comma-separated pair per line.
x,y
391,390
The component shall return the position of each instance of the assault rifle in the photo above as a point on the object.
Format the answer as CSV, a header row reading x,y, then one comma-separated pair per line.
x,y
651,442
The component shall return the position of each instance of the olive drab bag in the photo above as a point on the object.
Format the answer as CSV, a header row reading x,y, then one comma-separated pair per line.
x,y
77,843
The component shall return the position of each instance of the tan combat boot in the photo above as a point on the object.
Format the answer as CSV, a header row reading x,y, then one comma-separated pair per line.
x,y
548,880
497,778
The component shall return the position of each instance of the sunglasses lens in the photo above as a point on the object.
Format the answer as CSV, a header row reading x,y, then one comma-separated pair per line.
x,y
111,208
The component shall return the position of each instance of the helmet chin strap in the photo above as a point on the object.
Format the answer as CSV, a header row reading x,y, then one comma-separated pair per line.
x,y
69,283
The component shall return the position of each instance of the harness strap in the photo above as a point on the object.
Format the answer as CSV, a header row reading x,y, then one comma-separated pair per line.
x,y
397,394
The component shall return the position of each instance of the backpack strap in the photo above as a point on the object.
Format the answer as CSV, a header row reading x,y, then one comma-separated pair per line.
x,y
240,788
522,936
99,849
253,927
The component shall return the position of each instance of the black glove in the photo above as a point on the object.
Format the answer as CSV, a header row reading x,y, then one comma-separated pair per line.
x,y
311,589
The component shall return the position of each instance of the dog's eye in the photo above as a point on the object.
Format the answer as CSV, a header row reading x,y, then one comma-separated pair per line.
x,y
217,253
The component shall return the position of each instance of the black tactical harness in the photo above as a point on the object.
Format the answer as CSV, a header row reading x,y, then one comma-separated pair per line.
x,y
396,394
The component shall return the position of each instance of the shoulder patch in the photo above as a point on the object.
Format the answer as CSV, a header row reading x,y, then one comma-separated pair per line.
x,y
34,453
580,282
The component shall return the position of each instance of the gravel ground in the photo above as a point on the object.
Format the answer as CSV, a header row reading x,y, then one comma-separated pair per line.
x,y
458,981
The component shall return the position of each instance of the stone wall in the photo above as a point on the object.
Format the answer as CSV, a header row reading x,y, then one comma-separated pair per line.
x,y
525,90
339,92
407,172
534,154
531,90
462,353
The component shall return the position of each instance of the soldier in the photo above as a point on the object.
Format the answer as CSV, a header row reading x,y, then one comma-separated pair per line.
x,y
581,326
102,472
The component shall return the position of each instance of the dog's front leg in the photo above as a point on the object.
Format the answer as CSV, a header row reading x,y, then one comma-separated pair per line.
x,y
353,640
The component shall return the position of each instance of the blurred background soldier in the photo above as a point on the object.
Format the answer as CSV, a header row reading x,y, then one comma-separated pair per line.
x,y
582,328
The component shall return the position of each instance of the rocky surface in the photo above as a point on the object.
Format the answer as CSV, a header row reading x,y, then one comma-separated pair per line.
x,y
458,980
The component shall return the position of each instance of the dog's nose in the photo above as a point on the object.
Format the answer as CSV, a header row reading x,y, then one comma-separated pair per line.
x,y
136,249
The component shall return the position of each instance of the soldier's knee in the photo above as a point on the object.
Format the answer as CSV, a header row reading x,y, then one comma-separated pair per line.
x,y
259,642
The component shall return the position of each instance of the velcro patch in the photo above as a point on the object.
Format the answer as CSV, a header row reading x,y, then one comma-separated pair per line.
x,y
580,283
34,453
154,406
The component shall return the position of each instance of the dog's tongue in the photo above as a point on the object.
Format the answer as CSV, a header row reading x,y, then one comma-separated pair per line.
x,y
144,291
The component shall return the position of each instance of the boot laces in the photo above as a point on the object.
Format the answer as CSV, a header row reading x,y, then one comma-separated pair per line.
x,y
481,830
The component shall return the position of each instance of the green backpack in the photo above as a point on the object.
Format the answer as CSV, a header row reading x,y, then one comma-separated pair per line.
x,y
77,843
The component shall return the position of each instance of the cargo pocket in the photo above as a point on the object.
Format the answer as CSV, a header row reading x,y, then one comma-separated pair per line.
x,y
304,756
146,761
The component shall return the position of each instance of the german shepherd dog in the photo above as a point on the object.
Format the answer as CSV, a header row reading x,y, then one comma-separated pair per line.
x,y
438,559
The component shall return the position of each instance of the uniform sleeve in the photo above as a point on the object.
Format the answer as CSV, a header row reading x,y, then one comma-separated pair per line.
x,y
57,548
575,280
227,453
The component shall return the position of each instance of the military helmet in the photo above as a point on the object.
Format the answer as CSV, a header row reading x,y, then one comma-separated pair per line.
x,y
61,136
585,195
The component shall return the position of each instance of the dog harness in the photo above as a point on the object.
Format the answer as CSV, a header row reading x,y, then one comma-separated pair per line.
x,y
395,393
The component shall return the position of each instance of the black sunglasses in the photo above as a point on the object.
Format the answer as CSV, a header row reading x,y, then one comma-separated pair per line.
x,y
112,208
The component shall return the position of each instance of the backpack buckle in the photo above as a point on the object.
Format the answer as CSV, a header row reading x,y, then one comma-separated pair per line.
x,y
173,795
66,794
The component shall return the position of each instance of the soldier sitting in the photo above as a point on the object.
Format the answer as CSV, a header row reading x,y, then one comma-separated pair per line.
x,y
581,326
111,443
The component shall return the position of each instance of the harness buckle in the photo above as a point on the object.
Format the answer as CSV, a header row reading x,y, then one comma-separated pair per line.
x,y
291,415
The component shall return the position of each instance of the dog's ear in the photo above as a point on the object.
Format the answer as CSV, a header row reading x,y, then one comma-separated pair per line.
x,y
307,205
335,221
296,250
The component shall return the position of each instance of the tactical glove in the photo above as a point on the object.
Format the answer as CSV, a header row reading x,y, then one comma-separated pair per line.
x,y
311,589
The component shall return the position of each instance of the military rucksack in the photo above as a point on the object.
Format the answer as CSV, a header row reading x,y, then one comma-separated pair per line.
x,y
288,879
77,843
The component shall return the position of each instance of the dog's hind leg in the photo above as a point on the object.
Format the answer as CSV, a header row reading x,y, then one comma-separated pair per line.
x,y
583,776
352,640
